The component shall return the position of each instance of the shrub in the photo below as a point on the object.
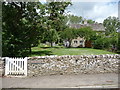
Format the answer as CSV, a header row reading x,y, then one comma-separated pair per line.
x,y
102,43
118,42
98,43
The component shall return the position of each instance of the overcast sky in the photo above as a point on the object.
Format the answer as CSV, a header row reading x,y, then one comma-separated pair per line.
x,y
94,10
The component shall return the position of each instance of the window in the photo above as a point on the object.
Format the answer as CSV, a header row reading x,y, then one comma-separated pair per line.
x,y
75,41
81,42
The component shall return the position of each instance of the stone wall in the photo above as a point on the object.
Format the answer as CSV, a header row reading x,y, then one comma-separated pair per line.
x,y
88,64
2,66
59,65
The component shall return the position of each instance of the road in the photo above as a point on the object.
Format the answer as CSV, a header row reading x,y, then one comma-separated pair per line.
x,y
109,80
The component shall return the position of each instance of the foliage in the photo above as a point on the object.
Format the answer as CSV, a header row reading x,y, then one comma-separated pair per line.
x,y
106,42
20,29
68,34
110,39
72,33
25,24
54,20
86,32
90,21
51,36
114,38
101,43
118,41
55,14
72,19
111,24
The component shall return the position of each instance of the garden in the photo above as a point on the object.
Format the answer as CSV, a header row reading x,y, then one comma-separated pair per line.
x,y
34,23
47,44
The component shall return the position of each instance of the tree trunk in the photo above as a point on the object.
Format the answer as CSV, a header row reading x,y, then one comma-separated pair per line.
x,y
51,44
30,51
69,43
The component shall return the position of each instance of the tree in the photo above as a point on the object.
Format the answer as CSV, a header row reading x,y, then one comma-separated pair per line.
x,y
106,42
34,21
90,21
51,36
72,19
20,28
86,32
54,20
55,13
68,34
118,46
111,24
114,40
71,33
102,43
75,19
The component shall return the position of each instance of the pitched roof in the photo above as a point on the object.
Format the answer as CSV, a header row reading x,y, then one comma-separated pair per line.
x,y
95,27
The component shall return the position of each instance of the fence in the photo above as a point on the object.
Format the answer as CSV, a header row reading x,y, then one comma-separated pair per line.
x,y
16,66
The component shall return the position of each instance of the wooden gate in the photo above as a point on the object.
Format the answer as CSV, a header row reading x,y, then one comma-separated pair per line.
x,y
16,66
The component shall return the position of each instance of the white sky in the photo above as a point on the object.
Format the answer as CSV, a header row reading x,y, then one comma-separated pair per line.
x,y
97,11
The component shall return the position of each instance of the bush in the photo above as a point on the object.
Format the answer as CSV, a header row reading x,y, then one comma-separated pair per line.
x,y
102,43
118,45
98,43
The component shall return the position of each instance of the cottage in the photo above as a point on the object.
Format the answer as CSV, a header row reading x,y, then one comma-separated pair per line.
x,y
81,42
78,42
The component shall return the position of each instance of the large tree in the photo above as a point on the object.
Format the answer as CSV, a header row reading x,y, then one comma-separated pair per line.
x,y
111,24
54,20
72,19
20,27
68,34
87,33
90,21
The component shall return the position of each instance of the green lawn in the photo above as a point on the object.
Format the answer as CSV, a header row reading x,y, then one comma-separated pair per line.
x,y
37,51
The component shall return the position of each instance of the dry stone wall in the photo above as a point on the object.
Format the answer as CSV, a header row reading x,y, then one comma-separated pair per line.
x,y
76,64
2,67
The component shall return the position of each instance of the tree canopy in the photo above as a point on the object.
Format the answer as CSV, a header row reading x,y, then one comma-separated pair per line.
x,y
111,24
20,28
25,23
54,20
72,33
72,19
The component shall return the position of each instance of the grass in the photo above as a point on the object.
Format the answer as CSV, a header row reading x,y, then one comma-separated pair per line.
x,y
42,51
